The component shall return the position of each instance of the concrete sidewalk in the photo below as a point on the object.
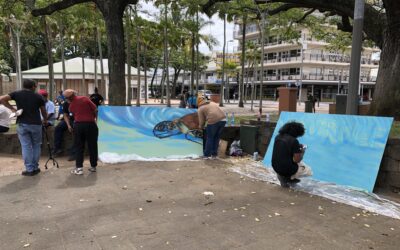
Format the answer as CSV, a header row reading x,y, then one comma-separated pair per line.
x,y
161,205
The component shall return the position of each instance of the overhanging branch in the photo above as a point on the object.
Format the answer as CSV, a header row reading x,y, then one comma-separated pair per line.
x,y
309,12
345,25
61,5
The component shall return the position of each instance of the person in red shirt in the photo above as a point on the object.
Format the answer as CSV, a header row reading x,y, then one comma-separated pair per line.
x,y
84,112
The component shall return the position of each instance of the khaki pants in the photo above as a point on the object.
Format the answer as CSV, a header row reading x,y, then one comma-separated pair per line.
x,y
303,171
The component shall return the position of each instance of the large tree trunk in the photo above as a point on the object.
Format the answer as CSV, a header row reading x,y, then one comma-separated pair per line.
x,y
113,14
386,99
128,55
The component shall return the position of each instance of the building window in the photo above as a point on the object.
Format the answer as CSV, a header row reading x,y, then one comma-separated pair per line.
x,y
271,72
294,71
295,53
285,72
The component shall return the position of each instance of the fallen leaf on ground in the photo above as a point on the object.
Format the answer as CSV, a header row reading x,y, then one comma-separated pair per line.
x,y
27,245
392,228
277,214
366,225
257,219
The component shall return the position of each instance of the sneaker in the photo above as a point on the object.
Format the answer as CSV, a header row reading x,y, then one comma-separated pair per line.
x,y
77,171
92,169
27,173
36,171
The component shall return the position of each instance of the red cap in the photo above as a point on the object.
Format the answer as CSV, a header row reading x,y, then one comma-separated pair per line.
x,y
43,92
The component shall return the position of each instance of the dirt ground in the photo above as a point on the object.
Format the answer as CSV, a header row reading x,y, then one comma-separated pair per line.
x,y
163,205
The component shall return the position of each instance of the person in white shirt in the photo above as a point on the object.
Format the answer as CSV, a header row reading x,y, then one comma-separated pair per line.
x,y
4,119
50,107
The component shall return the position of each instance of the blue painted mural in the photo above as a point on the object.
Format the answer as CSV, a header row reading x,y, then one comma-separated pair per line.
x,y
346,150
147,133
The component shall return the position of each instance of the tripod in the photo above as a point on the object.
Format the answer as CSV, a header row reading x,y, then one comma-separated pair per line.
x,y
51,157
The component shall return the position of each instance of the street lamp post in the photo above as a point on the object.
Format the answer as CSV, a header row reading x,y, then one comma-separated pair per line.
x,y
352,98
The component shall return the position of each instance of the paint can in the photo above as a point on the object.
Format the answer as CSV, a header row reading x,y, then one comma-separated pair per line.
x,y
255,156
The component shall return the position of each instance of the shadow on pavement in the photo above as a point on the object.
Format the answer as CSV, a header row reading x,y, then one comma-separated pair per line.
x,y
77,181
24,182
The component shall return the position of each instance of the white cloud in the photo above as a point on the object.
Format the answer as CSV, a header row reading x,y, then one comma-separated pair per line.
x,y
216,29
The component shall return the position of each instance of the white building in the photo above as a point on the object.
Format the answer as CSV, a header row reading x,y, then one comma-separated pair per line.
x,y
74,76
309,63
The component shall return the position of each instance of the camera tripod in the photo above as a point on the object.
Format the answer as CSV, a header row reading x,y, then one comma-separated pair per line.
x,y
51,157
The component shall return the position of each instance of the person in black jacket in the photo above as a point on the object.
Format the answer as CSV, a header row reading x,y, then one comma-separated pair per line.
x,y
288,153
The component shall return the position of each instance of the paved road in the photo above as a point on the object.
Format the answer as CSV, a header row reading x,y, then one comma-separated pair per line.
x,y
150,205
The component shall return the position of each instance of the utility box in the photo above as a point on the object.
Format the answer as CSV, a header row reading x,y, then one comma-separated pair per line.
x,y
341,103
248,138
287,99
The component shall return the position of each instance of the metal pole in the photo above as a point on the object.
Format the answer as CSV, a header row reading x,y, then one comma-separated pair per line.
x,y
262,61
166,53
221,94
301,68
352,98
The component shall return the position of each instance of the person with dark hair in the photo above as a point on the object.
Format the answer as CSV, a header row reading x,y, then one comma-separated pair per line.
x,y
50,107
96,98
288,153
29,123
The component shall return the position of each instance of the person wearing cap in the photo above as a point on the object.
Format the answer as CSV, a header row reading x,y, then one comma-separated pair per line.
x,y
50,107
29,123
212,114
85,129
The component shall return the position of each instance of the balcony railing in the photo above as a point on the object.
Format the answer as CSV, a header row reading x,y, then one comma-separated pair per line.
x,y
318,57
315,77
